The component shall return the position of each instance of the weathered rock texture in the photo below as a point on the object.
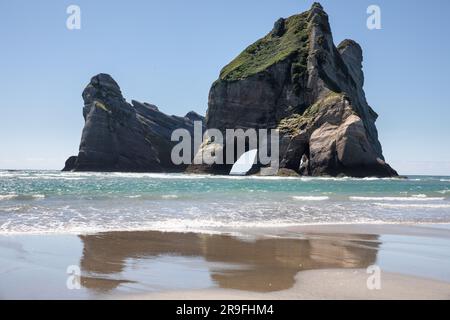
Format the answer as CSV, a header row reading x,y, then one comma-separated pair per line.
x,y
119,136
295,79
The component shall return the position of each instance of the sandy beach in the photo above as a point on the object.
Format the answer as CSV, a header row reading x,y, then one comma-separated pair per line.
x,y
329,284
305,262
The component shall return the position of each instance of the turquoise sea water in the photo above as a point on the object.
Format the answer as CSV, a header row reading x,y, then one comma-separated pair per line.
x,y
57,202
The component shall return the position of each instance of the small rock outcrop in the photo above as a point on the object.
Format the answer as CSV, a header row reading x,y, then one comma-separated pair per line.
x,y
296,80
118,136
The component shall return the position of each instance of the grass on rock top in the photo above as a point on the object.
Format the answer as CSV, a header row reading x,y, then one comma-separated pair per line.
x,y
271,49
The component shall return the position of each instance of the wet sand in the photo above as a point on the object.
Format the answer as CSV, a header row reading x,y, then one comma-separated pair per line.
x,y
330,284
310,262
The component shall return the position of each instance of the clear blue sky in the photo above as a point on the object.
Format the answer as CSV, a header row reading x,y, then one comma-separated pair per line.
x,y
169,52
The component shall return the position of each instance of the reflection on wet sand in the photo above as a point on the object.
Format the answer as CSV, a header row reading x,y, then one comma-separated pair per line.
x,y
262,265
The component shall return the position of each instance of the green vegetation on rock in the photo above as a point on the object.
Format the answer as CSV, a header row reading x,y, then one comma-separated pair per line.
x,y
292,125
101,106
291,40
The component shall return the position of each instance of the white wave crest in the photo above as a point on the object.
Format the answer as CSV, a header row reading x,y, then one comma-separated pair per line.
x,y
413,198
21,197
311,198
169,196
413,205
8,196
419,196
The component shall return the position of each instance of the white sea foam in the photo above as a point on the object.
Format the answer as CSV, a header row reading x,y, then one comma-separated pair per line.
x,y
37,196
229,177
413,205
413,198
8,197
419,196
6,175
169,225
12,209
444,191
206,226
154,175
311,198
210,226
49,177
21,197
169,196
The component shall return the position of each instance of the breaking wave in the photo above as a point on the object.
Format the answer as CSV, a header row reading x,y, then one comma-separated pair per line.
x,y
21,197
413,198
311,198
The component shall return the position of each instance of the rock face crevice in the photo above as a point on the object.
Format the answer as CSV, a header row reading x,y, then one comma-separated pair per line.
x,y
296,80
118,136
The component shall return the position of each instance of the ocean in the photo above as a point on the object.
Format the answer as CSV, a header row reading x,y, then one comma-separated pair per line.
x,y
36,202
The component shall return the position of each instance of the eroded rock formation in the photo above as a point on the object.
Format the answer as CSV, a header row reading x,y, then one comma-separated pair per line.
x,y
295,79
119,136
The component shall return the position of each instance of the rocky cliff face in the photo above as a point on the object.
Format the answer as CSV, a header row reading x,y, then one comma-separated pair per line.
x,y
295,79
119,136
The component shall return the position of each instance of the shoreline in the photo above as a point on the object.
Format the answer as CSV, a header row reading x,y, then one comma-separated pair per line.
x,y
399,228
303,262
